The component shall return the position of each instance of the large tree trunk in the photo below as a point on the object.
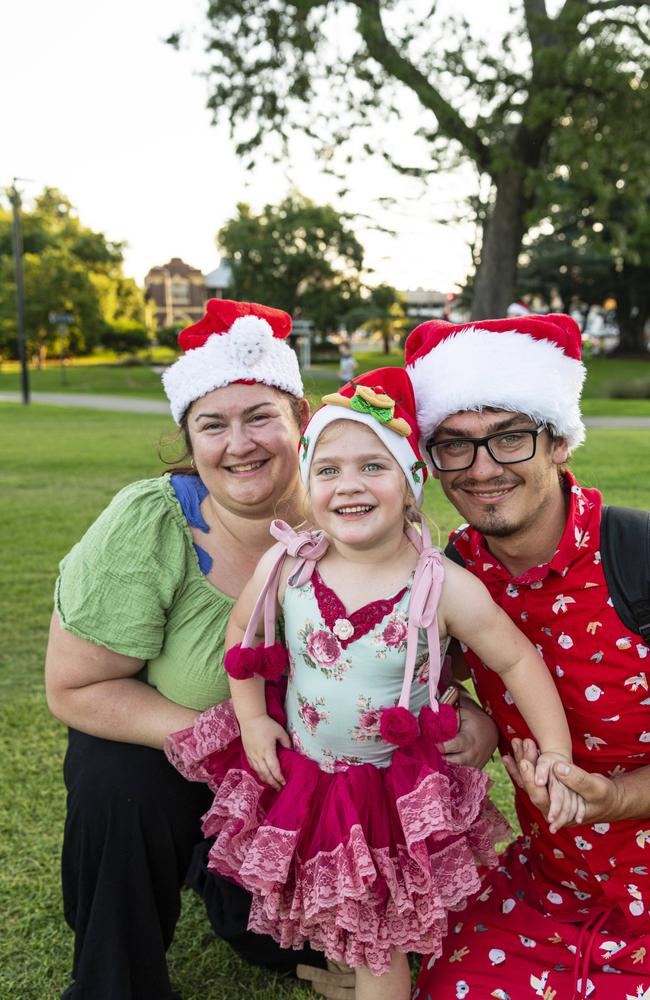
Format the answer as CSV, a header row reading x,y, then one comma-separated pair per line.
x,y
633,310
494,287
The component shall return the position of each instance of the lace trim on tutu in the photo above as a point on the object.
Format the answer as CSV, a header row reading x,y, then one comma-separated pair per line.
x,y
355,902
353,887
188,750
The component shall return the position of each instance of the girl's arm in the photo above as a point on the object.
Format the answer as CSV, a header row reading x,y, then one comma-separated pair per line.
x,y
470,615
259,732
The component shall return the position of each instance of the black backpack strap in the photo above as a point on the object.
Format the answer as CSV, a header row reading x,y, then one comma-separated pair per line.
x,y
451,551
625,555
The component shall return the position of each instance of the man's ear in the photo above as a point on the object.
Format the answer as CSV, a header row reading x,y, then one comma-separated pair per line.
x,y
559,451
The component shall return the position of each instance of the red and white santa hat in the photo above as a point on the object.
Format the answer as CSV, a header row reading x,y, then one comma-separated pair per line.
x,y
383,401
234,342
526,364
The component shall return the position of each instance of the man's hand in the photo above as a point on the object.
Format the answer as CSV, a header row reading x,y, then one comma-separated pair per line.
x,y
477,736
336,982
601,795
566,806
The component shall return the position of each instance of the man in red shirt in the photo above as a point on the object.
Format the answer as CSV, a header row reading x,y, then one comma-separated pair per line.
x,y
567,915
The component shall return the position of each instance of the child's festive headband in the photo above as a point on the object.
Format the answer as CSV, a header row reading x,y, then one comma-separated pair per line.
x,y
383,401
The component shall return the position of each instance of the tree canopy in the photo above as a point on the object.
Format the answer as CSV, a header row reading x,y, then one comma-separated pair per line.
x,y
344,71
302,257
68,269
594,241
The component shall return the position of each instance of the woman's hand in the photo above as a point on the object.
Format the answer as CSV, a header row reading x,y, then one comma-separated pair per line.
x,y
259,736
476,739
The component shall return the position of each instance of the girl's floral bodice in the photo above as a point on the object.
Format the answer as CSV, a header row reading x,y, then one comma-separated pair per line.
x,y
343,669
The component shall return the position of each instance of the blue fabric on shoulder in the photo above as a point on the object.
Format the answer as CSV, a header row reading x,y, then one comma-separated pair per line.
x,y
190,493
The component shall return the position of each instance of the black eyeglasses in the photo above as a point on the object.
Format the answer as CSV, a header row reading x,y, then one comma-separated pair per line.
x,y
504,447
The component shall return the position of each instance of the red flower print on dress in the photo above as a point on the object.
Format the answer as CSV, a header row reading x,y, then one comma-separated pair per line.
x,y
395,632
323,647
367,728
335,765
310,714
297,745
369,720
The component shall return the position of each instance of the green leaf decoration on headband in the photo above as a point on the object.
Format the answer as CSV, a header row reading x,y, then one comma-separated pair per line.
x,y
415,468
304,444
381,413
375,403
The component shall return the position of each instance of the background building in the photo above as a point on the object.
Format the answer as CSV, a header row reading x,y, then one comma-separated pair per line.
x,y
177,291
218,282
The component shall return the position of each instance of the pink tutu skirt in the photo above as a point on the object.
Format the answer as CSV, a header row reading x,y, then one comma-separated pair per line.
x,y
355,862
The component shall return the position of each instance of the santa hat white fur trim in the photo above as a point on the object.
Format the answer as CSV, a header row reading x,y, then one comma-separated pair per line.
x,y
249,351
397,444
513,371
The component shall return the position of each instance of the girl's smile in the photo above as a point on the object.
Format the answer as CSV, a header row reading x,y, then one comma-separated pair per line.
x,y
357,511
357,489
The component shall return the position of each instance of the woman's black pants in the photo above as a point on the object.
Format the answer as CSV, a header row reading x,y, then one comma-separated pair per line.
x,y
132,840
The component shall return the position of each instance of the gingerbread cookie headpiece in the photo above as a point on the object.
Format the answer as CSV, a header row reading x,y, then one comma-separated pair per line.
x,y
383,401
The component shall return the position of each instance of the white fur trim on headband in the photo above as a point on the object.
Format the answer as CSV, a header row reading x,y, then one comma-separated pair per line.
x,y
397,444
248,352
512,371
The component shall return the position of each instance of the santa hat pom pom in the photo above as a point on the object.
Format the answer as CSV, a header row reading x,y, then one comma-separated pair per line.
x,y
251,337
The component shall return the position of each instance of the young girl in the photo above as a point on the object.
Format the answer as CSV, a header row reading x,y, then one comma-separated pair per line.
x,y
355,835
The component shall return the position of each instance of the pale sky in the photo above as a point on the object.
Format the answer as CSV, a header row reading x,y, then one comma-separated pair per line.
x,y
97,105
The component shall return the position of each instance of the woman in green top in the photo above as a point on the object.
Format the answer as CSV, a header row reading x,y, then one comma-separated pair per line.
x,y
136,651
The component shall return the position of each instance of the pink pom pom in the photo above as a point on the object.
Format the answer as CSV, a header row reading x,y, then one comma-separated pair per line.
x,y
440,726
273,661
242,664
398,725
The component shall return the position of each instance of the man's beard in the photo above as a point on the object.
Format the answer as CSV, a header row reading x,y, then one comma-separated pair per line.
x,y
488,521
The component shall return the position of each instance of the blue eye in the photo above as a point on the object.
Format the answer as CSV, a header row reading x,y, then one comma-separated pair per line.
x,y
373,467
328,470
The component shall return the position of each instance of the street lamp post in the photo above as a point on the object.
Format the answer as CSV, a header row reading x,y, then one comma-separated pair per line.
x,y
17,243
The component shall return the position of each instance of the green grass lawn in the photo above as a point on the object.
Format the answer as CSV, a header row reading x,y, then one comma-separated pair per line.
x,y
59,469
122,380
114,380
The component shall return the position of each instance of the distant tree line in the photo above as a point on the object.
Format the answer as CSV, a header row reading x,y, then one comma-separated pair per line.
x,y
70,271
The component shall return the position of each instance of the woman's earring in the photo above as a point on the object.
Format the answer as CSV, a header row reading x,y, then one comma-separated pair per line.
x,y
192,461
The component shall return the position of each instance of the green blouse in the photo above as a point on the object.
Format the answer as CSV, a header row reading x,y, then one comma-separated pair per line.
x,y
133,585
